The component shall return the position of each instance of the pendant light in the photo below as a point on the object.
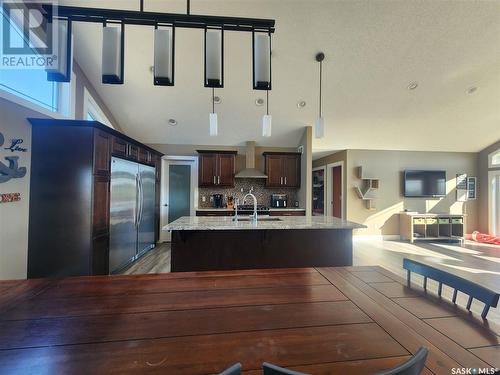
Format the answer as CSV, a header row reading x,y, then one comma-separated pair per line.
x,y
261,51
212,117
319,127
214,58
61,72
164,56
266,119
113,43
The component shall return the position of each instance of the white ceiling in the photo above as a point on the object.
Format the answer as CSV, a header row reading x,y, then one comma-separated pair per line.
x,y
374,49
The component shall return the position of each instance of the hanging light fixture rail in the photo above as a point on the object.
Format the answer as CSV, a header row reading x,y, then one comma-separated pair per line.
x,y
132,17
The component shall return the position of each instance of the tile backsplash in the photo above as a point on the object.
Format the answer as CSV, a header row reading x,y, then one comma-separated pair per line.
x,y
260,191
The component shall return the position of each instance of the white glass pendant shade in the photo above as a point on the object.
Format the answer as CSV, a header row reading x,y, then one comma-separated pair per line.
x,y
112,54
262,61
163,57
266,125
213,58
60,69
319,127
213,124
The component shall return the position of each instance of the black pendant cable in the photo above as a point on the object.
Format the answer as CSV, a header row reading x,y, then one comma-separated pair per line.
x,y
267,119
213,100
267,102
320,124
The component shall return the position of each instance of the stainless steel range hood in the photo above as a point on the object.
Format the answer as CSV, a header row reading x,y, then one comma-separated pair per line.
x,y
250,171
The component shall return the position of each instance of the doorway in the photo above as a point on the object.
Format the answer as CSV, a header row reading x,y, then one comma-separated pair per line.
x,y
179,190
494,202
335,180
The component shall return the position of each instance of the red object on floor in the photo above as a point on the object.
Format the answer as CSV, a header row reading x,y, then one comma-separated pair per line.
x,y
485,238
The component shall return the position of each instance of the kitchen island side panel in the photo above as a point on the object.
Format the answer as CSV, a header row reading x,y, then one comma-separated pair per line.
x,y
202,250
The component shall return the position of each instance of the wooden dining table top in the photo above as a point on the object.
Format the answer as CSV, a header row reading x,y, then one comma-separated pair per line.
x,y
342,320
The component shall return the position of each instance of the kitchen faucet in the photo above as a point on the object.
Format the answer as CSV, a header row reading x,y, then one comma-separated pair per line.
x,y
254,215
236,203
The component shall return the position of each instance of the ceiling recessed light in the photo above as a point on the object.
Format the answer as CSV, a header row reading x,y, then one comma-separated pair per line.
x,y
217,99
412,85
471,90
259,102
172,122
301,104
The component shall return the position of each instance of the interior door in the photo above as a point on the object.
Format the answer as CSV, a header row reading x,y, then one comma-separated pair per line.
x,y
225,170
178,181
146,220
123,213
290,171
337,191
274,170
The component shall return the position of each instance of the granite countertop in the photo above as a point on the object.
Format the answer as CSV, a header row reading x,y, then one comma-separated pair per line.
x,y
214,209
284,222
287,209
232,209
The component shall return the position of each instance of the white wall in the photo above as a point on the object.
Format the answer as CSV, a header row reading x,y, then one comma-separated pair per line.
x,y
14,216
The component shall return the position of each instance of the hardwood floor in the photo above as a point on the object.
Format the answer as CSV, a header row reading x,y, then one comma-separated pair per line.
x,y
318,321
155,261
472,261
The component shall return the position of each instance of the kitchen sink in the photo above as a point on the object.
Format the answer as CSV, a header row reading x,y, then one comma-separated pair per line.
x,y
259,219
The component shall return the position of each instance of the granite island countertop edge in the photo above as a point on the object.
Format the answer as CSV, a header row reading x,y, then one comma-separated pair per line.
x,y
200,223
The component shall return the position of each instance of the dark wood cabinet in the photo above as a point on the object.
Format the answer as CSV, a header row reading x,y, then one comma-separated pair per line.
x,y
282,169
216,168
131,151
102,153
225,169
207,167
144,156
215,213
70,195
287,213
100,211
273,170
120,147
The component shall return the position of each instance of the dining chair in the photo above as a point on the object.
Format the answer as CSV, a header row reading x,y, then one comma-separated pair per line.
x,y
270,369
414,366
233,370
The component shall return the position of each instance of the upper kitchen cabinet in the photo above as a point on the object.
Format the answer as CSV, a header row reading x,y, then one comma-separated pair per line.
x,y
282,169
216,168
70,195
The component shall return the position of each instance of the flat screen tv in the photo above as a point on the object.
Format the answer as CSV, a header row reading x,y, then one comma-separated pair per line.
x,y
425,184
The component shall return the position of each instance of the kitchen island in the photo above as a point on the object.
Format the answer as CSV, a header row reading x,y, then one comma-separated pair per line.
x,y
221,243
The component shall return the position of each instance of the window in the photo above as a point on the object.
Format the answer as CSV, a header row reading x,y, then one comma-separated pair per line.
x,y
494,159
32,85
29,84
92,111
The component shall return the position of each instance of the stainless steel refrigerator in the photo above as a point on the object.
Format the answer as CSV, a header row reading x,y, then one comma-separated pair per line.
x,y
132,212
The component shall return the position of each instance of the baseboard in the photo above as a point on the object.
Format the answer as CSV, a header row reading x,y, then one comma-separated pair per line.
x,y
376,237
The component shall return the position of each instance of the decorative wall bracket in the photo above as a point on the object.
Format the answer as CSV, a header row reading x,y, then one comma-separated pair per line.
x,y
367,189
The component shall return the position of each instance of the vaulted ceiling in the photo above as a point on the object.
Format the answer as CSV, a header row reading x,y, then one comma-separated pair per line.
x,y
374,49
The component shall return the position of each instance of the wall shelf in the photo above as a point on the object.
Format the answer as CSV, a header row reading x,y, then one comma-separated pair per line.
x,y
367,189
